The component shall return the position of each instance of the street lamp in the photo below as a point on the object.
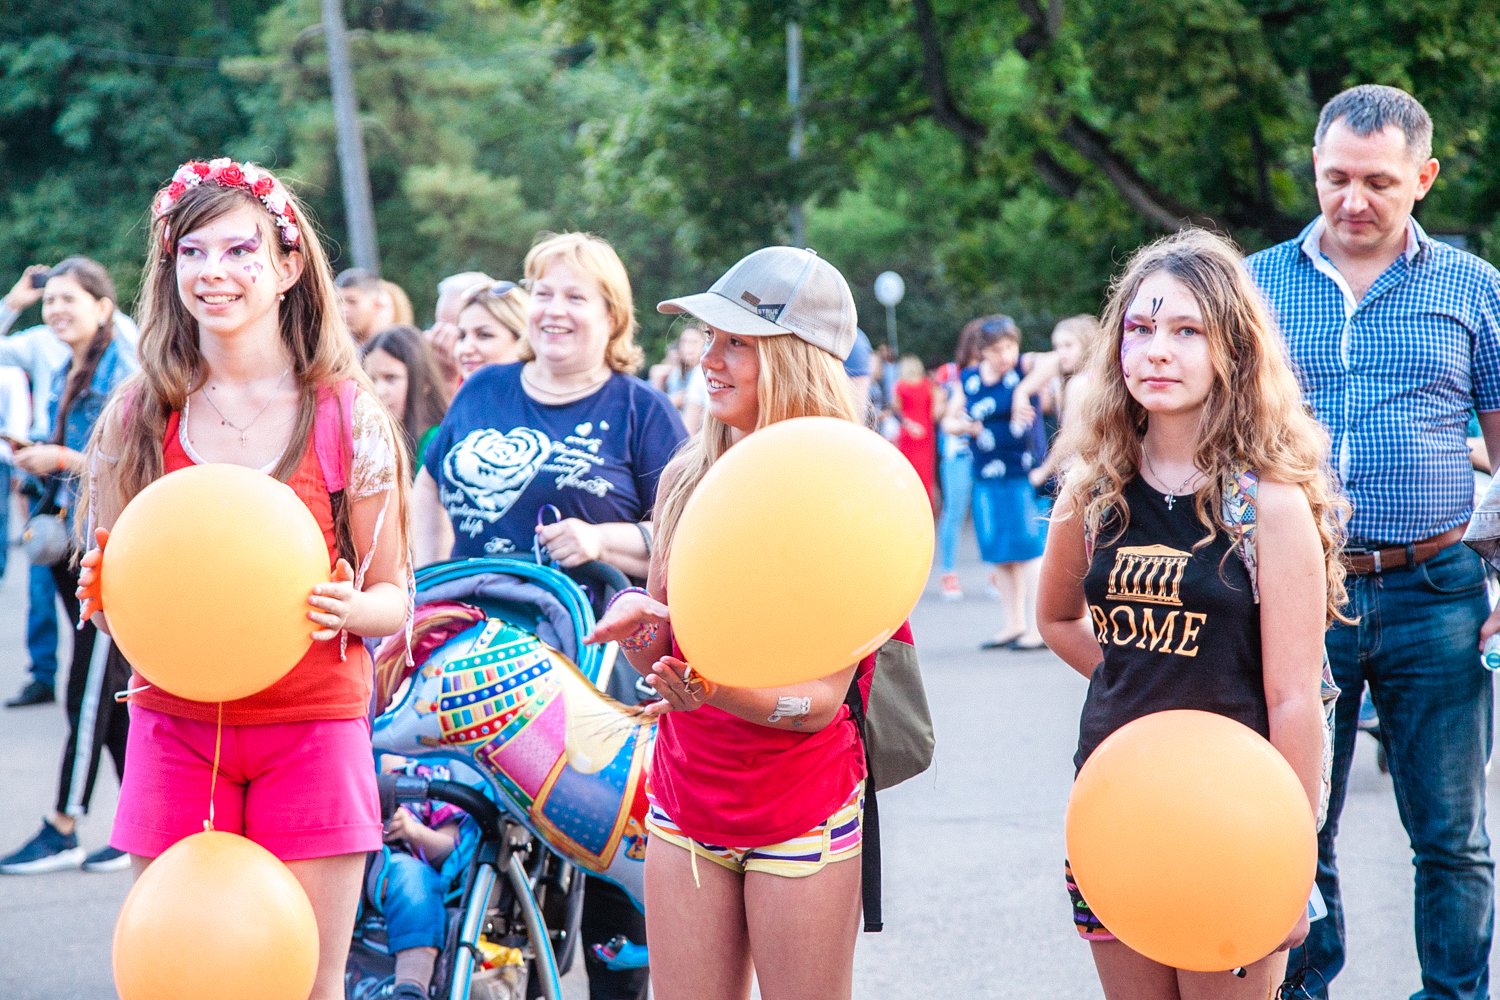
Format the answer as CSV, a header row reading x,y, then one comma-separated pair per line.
x,y
889,291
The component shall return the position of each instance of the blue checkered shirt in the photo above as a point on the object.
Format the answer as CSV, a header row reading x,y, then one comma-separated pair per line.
x,y
1393,376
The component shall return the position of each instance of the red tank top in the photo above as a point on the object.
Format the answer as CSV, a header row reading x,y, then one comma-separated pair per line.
x,y
728,782
321,685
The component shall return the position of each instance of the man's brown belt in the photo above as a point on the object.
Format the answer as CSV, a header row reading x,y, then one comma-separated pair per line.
x,y
1362,562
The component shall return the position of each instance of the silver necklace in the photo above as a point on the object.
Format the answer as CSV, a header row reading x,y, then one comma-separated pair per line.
x,y
1171,495
243,431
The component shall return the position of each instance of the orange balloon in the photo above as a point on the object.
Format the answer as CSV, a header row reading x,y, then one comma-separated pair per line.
x,y
1192,840
219,916
205,581
801,552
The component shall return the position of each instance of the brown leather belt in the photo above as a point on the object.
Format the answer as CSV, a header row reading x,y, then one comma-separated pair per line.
x,y
1362,562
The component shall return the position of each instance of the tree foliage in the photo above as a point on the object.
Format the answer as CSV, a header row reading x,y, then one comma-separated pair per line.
x,y
1001,157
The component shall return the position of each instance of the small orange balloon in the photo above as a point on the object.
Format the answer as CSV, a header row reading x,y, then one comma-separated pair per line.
x,y
205,581
1192,840
218,916
801,552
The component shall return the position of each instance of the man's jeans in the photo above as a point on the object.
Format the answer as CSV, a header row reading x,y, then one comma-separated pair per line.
x,y
1416,646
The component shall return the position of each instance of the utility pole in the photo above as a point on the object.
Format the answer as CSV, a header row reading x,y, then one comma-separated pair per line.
x,y
351,144
794,98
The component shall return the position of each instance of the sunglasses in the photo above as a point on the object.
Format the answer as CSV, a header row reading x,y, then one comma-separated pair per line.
x,y
1000,324
501,289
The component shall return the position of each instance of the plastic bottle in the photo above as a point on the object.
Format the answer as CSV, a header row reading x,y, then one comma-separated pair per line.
x,y
1490,657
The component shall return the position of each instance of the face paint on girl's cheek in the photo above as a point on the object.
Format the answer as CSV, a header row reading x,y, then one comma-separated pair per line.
x,y
253,269
1129,344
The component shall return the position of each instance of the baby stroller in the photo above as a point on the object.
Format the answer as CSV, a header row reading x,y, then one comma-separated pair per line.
x,y
549,770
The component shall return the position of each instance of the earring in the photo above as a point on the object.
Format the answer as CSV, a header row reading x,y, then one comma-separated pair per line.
x,y
281,297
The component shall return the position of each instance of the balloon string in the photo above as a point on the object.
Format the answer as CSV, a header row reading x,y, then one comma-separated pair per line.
x,y
213,781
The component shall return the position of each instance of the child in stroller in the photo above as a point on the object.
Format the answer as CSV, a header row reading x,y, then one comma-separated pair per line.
x,y
407,884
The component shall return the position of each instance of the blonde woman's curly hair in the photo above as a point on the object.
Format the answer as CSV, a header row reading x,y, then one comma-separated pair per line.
x,y
1254,418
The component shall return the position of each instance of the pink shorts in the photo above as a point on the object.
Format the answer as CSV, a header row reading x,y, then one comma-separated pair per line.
x,y
299,789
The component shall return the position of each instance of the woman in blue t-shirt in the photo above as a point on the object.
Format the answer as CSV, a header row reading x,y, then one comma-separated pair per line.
x,y
570,428
1007,520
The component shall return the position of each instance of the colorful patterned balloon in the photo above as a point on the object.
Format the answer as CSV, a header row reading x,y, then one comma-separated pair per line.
x,y
565,758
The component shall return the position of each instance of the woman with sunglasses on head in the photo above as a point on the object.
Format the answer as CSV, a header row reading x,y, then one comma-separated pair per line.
x,y
491,326
560,453
246,360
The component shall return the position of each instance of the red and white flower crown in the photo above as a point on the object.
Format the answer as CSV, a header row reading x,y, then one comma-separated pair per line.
x,y
227,173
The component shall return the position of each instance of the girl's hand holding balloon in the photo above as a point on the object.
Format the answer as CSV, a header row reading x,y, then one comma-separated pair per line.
x,y
681,690
90,591
1298,933
334,602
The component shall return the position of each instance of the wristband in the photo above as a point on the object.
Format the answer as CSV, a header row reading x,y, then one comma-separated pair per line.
x,y
62,459
621,593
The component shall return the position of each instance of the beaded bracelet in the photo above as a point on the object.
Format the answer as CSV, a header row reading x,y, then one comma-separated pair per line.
x,y
641,638
645,633
621,593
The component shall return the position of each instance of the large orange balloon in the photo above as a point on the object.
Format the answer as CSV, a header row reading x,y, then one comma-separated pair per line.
x,y
1192,840
800,552
206,578
218,916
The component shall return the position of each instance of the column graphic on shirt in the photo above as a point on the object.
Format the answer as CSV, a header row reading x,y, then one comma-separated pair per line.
x,y
487,471
1144,583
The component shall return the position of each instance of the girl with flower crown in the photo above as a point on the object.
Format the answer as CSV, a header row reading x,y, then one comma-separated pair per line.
x,y
243,352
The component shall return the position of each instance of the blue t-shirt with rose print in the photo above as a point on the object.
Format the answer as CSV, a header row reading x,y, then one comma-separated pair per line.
x,y
500,456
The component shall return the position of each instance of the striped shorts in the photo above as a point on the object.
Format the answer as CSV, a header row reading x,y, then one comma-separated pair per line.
x,y
838,838
1085,923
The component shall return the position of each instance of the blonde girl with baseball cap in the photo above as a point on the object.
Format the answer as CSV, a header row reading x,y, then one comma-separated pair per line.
x,y
756,795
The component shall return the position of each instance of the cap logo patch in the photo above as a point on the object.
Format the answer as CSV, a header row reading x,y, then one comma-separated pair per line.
x,y
751,298
770,312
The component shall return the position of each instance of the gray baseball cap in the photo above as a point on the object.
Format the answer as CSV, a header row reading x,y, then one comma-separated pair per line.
x,y
774,291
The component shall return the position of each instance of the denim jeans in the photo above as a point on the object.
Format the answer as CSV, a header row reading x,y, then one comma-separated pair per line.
x,y
412,903
41,621
956,474
1416,646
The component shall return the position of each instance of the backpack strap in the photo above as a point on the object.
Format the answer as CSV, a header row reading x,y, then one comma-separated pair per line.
x,y
1241,486
333,433
857,697
869,855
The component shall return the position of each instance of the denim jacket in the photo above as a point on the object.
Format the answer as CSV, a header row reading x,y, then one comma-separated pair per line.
x,y
115,366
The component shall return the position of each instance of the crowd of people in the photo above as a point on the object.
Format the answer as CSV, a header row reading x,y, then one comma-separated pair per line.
x,y
1307,408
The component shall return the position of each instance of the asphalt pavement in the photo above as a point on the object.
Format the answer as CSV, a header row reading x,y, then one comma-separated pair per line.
x,y
974,900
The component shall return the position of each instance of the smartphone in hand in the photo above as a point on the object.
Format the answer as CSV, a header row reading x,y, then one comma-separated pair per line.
x,y
39,279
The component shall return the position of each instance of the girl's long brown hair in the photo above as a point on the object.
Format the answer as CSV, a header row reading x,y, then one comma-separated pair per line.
x,y
1254,418
172,366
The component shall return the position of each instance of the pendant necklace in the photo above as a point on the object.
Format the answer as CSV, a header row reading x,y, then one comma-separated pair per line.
x,y
243,431
1171,495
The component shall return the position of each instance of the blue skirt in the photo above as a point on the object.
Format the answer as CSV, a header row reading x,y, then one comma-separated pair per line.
x,y
1008,520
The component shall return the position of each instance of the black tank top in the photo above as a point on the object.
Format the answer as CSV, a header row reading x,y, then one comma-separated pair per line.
x,y
1179,629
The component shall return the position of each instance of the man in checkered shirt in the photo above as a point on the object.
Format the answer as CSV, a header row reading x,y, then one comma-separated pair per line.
x,y
1396,338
